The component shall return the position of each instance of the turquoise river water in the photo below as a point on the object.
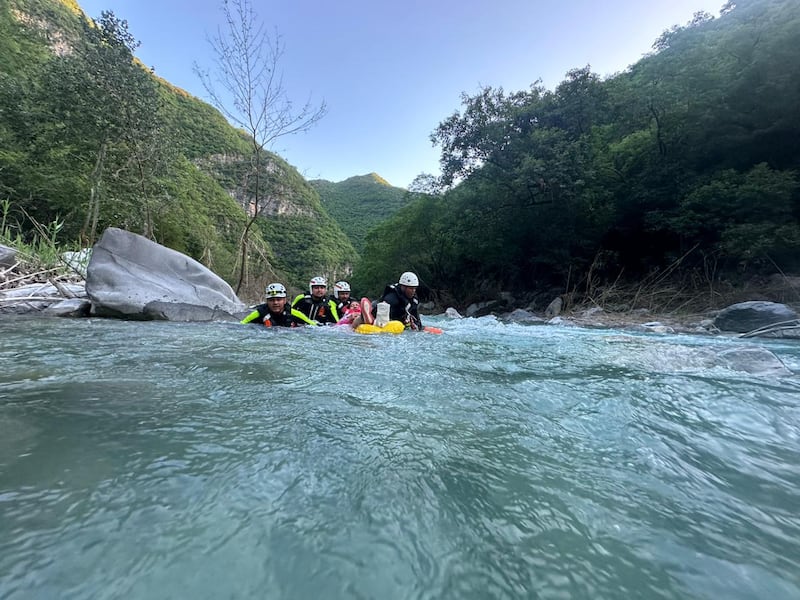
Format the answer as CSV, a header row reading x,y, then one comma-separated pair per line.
x,y
163,460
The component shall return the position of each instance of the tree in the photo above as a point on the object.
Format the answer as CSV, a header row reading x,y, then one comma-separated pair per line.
x,y
746,216
100,113
253,97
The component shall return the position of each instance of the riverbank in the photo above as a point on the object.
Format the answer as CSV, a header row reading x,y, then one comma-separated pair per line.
x,y
58,288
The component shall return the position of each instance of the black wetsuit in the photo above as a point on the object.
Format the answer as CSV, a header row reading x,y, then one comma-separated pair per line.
x,y
314,311
400,308
262,316
343,305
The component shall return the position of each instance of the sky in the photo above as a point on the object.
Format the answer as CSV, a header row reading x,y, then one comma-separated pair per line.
x,y
390,72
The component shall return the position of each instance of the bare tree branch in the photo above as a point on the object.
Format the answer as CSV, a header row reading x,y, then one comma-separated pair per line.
x,y
248,71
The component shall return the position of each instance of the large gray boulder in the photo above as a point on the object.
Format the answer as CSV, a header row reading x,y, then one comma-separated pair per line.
x,y
132,277
747,316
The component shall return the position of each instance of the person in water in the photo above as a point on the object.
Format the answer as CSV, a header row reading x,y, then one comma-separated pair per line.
x,y
274,312
341,293
315,308
402,300
350,313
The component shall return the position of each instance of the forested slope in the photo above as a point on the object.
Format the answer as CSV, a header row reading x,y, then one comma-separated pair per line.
x,y
89,138
360,203
680,171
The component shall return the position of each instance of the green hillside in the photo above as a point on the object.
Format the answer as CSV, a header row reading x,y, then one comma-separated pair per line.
x,y
89,138
360,203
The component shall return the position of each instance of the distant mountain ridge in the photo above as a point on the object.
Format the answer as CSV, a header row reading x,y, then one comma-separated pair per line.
x,y
359,203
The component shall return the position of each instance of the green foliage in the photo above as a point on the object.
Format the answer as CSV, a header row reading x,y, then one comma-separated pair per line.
x,y
359,203
689,154
41,249
200,130
89,139
421,238
745,216
308,245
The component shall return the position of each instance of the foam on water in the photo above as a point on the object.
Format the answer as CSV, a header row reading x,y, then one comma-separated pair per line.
x,y
164,460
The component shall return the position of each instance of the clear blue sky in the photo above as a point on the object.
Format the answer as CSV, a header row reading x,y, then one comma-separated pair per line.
x,y
390,72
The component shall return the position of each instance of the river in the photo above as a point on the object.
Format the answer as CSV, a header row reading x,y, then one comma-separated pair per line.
x,y
164,460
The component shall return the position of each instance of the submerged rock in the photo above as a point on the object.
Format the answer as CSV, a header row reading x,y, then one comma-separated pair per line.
x,y
522,316
753,360
656,327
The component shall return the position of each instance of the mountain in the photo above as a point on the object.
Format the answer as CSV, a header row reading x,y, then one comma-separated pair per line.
x,y
360,203
90,138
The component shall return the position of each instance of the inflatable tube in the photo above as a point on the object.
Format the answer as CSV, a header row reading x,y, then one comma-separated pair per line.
x,y
391,327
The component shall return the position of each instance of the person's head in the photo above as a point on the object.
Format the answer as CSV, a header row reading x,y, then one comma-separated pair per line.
x,y
276,297
317,287
341,291
408,283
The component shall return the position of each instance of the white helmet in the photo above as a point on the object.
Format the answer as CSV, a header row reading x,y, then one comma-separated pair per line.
x,y
340,286
317,281
408,278
275,290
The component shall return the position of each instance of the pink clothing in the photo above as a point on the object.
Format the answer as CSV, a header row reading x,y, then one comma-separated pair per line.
x,y
349,316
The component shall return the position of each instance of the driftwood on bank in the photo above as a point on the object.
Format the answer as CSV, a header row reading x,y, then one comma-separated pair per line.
x,y
26,287
785,328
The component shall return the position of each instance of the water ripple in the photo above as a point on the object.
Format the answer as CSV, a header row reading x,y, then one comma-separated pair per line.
x,y
163,460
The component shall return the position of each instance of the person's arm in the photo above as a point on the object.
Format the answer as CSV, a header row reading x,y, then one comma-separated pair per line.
x,y
300,316
334,312
417,319
256,315
299,305
250,318
397,307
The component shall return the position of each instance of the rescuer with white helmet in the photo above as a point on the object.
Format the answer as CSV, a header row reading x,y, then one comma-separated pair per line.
x,y
402,300
341,292
274,312
315,308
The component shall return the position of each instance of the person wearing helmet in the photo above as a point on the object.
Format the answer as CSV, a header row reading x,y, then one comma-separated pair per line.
x,y
341,293
402,300
315,308
274,312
